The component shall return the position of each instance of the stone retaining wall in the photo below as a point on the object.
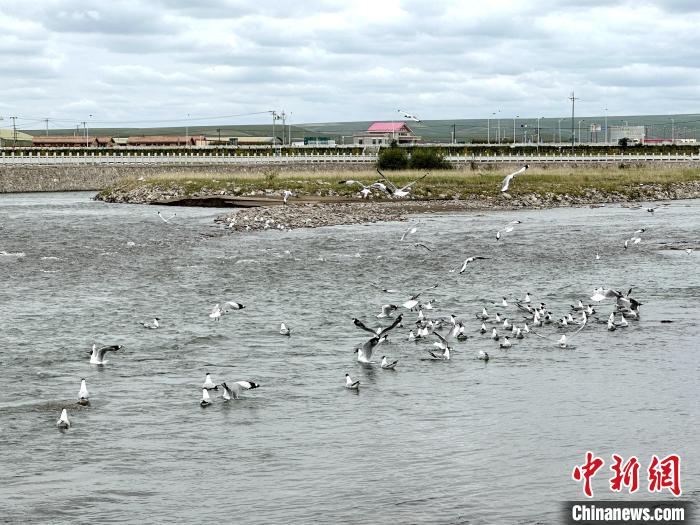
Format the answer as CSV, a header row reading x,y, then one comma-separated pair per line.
x,y
16,179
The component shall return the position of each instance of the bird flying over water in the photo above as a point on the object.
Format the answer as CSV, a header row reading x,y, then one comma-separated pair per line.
x,y
393,191
97,355
506,182
168,219
470,260
234,392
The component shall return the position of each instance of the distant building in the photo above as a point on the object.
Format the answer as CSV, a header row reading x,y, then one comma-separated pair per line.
x,y
220,141
384,133
318,141
9,137
64,141
635,134
258,141
164,141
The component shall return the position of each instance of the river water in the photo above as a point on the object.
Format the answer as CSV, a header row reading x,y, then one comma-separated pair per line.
x,y
461,441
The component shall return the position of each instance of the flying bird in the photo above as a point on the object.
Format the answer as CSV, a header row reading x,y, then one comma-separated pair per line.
x,y
509,178
365,191
234,392
470,260
409,116
168,219
391,188
97,355
364,352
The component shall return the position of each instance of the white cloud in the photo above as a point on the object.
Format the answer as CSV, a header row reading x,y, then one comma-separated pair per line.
x,y
336,60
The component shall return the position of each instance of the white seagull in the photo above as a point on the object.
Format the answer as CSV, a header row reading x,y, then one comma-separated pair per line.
x,y
208,383
168,219
351,383
63,422
97,355
409,116
484,356
509,178
83,395
216,313
364,352
470,260
155,324
286,194
365,191
284,330
395,192
386,365
234,392
206,400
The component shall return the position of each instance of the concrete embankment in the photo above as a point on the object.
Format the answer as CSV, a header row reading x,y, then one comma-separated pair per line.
x,y
96,177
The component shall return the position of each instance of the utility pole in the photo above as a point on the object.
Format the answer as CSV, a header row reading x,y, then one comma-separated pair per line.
x,y
85,133
573,132
560,129
218,130
606,124
516,116
454,133
673,131
14,131
274,141
498,125
283,116
47,126
187,130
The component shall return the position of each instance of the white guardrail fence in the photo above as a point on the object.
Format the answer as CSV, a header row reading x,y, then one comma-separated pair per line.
x,y
200,159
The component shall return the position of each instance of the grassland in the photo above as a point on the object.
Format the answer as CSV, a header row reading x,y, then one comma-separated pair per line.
x,y
631,182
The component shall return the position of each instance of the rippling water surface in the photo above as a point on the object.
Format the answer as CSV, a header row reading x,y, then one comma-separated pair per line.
x,y
434,442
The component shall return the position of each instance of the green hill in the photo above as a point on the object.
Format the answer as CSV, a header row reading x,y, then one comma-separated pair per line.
x,y
466,130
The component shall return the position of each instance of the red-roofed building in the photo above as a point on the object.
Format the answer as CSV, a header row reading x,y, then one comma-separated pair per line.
x,y
384,133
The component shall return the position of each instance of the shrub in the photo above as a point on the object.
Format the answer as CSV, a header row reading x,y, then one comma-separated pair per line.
x,y
392,159
428,159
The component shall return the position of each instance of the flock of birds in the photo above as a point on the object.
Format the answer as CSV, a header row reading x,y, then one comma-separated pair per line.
x,y
98,358
513,319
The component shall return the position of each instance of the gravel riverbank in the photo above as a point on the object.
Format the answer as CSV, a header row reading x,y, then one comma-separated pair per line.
x,y
315,215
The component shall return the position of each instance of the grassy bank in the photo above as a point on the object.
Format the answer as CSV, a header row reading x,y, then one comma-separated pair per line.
x,y
632,182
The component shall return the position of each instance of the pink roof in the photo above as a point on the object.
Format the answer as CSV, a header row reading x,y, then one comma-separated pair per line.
x,y
389,127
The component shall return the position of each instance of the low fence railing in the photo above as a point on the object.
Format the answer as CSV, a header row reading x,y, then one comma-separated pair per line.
x,y
203,159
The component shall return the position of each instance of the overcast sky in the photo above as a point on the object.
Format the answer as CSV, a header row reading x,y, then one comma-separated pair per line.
x,y
142,61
